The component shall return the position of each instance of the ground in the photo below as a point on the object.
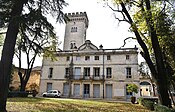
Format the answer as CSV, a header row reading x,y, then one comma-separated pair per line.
x,y
70,105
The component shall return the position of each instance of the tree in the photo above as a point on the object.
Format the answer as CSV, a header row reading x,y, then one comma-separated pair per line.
x,y
134,89
33,47
146,10
13,12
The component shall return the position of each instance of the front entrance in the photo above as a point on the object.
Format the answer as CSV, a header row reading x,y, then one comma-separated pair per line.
x,y
65,89
96,90
86,91
109,91
76,90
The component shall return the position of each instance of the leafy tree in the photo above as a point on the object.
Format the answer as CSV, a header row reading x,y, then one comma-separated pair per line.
x,y
29,15
132,88
33,47
147,13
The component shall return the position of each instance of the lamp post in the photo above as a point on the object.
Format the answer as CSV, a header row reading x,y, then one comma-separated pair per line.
x,y
101,47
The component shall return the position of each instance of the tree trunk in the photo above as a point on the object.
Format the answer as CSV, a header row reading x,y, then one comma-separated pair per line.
x,y
23,85
8,52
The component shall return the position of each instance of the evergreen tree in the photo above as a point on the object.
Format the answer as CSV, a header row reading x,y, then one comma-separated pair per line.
x,y
29,15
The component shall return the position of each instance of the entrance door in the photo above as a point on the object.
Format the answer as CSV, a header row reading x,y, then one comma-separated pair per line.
x,y
109,91
96,90
66,89
86,91
49,86
76,90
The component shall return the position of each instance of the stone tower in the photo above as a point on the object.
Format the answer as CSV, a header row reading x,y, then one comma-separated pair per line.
x,y
75,31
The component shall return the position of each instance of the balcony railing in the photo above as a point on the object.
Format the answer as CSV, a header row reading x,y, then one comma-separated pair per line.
x,y
83,77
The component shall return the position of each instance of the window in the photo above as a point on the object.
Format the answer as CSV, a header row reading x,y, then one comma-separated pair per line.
x,y
87,71
87,58
146,89
73,46
108,57
77,73
128,72
96,57
108,72
50,72
127,57
86,89
77,58
67,58
96,72
66,71
74,29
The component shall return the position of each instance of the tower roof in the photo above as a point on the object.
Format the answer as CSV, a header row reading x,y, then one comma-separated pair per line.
x,y
77,16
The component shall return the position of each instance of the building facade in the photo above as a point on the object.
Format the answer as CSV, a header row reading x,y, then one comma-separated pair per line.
x,y
83,70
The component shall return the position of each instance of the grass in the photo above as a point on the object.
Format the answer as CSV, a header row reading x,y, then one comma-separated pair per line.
x,y
69,105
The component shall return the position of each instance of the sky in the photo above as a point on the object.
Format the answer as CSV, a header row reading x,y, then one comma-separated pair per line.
x,y
103,27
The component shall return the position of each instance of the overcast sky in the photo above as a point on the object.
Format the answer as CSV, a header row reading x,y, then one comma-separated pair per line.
x,y
103,27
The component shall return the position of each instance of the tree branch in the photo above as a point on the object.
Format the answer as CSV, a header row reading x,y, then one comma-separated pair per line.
x,y
126,40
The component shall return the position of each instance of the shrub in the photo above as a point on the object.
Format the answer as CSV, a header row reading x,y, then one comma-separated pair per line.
x,y
17,94
161,108
148,104
140,101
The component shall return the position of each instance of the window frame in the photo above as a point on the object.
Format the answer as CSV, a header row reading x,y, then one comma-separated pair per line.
x,y
87,71
127,57
96,58
108,57
96,71
108,72
87,58
50,72
128,72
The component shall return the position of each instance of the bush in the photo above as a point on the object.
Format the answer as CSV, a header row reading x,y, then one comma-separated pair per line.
x,y
17,94
148,104
161,108
140,100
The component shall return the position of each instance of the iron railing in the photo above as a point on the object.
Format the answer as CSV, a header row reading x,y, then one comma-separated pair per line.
x,y
83,77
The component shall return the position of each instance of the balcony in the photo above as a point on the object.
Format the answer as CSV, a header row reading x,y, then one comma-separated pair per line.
x,y
83,77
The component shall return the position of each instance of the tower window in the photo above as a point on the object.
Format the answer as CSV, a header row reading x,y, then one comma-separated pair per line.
x,y
73,46
74,29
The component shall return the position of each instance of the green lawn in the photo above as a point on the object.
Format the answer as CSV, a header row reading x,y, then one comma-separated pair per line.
x,y
69,105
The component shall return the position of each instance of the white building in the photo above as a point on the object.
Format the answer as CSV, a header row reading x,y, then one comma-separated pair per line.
x,y
83,70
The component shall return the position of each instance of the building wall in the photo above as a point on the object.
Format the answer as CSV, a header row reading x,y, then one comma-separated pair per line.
x,y
34,79
118,63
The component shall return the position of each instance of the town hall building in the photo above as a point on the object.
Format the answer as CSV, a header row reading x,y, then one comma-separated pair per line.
x,y
84,70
